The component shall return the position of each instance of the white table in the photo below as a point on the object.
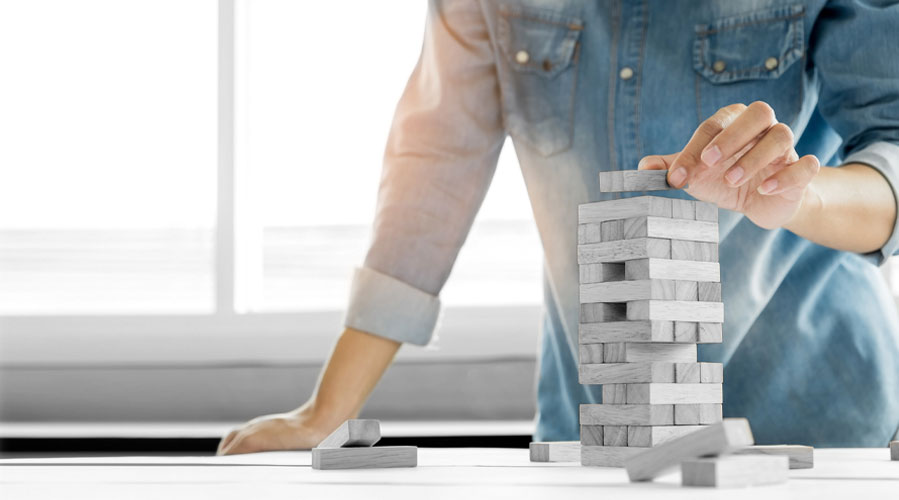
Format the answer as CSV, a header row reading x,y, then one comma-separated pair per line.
x,y
467,474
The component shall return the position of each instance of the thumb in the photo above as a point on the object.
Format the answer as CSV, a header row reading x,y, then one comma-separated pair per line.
x,y
656,162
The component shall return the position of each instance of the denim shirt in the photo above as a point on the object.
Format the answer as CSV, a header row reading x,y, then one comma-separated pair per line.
x,y
811,348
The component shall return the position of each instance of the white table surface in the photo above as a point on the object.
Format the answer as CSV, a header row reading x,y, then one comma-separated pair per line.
x,y
463,473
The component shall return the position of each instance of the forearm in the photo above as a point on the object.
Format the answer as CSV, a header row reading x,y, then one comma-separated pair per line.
x,y
849,208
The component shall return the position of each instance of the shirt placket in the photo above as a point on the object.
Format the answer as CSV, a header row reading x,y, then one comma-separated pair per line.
x,y
629,70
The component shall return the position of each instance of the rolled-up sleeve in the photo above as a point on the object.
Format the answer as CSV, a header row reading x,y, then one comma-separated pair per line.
x,y
856,57
441,154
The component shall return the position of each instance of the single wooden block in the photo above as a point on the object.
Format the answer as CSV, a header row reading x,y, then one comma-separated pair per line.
x,y
687,373
667,269
646,436
710,333
686,290
734,471
711,373
614,394
622,209
607,456
376,457
611,230
672,229
894,450
801,457
601,312
614,435
635,352
694,250
686,331
624,414
706,211
697,414
602,272
624,291
353,432
633,180
589,233
624,250
672,394
590,353
555,451
675,310
614,353
708,292
683,209
591,435
718,439
621,331
627,373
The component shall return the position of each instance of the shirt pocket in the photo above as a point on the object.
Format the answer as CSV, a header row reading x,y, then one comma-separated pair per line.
x,y
753,57
538,74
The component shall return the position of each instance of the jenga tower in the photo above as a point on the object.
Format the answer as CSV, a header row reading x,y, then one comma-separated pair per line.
x,y
650,291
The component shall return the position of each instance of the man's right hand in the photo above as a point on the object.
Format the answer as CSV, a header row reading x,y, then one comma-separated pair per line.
x,y
295,430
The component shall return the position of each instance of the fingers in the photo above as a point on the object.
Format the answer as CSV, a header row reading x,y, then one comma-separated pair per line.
x,y
752,122
226,441
656,162
688,162
243,442
776,142
791,180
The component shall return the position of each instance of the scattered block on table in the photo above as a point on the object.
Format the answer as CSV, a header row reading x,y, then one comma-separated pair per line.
x,y
608,456
626,331
706,211
894,450
601,272
708,291
718,439
734,471
686,331
711,373
353,432
376,457
555,451
686,290
683,209
623,291
672,394
614,435
694,250
633,180
671,229
647,436
628,373
687,373
614,394
675,310
667,269
801,457
590,353
625,414
599,312
624,208
649,352
624,250
697,414
710,333
591,435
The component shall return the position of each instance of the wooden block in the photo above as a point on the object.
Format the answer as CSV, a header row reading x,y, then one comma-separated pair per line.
x,y
718,439
627,373
377,457
711,373
624,250
614,435
734,471
607,456
708,292
683,209
598,273
686,331
611,230
710,333
555,451
601,312
635,352
687,373
622,209
590,353
706,211
894,449
624,291
591,435
672,229
697,414
620,331
801,457
614,394
675,310
646,436
624,414
667,269
353,432
671,393
685,290
694,250
633,180
613,353
588,233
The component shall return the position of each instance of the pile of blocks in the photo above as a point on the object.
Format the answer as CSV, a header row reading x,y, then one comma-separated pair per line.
x,y
351,446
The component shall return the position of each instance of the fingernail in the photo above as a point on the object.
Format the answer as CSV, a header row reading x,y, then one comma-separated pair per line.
x,y
734,175
711,155
678,177
768,186
641,164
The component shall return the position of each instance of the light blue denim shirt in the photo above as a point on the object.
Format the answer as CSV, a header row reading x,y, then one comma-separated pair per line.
x,y
811,338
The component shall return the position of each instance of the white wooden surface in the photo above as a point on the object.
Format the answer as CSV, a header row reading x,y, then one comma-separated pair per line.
x,y
442,473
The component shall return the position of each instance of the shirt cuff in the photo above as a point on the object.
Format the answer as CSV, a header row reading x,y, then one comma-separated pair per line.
x,y
883,157
387,307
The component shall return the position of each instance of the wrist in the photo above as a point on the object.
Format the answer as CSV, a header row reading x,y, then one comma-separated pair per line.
x,y
810,205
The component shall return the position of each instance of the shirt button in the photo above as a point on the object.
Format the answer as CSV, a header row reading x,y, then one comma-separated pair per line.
x,y
771,63
626,73
522,57
719,66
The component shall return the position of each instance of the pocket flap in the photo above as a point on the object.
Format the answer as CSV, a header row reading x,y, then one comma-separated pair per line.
x,y
538,41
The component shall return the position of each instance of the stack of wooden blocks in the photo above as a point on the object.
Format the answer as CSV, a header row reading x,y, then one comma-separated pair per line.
x,y
650,292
